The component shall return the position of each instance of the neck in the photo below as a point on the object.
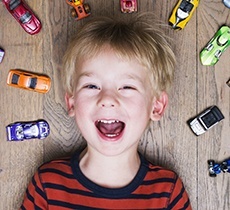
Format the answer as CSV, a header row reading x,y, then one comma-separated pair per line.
x,y
109,171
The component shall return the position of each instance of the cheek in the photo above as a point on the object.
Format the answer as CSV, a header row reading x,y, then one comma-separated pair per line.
x,y
139,106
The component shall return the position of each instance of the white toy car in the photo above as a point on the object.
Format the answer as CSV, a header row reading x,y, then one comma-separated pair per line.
x,y
205,120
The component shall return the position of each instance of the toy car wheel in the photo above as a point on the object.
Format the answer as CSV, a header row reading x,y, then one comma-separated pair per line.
x,y
73,13
212,175
87,8
211,165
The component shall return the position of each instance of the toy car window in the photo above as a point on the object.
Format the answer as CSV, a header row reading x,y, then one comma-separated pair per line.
x,y
222,40
33,83
26,17
31,131
14,4
186,6
209,47
15,79
218,54
19,132
209,119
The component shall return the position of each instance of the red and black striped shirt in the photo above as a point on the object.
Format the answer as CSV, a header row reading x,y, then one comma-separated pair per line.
x,y
60,185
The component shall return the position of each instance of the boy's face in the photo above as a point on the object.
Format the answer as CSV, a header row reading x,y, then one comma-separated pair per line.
x,y
113,103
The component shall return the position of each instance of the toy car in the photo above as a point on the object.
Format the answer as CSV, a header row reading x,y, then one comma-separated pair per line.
x,y
24,15
217,168
211,53
2,53
214,168
206,120
28,80
182,13
228,83
225,166
79,10
128,6
227,3
19,131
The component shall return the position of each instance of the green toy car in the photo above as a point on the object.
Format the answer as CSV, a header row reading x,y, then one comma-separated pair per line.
x,y
211,53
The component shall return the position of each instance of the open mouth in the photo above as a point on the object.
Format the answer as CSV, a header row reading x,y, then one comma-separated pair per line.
x,y
110,128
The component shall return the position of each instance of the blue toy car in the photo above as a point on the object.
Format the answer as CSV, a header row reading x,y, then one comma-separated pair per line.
x,y
217,168
19,131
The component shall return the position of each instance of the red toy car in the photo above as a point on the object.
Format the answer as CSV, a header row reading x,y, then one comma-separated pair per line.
x,y
24,15
128,6
79,9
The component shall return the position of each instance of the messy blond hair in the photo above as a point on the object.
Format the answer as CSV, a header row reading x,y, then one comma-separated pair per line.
x,y
137,38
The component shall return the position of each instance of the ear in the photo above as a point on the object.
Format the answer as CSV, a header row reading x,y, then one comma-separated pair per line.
x,y
69,100
159,105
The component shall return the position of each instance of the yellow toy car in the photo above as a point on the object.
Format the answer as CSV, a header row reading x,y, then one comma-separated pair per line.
x,y
182,13
29,81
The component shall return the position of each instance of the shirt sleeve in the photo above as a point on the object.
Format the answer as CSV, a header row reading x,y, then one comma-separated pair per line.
x,y
179,198
35,197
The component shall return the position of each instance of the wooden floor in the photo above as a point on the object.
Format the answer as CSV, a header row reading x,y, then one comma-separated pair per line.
x,y
169,143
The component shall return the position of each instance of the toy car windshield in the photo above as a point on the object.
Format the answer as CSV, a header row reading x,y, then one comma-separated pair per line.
x,y
32,83
2,53
209,119
26,17
184,9
15,79
14,4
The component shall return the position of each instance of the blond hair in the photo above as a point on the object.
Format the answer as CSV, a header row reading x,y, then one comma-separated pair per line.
x,y
137,38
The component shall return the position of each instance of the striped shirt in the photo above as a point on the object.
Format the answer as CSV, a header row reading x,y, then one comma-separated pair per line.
x,y
60,185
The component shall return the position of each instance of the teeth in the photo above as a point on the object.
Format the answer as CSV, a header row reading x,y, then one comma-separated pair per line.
x,y
112,135
108,121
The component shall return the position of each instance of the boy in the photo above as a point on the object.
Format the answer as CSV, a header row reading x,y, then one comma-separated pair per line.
x,y
116,75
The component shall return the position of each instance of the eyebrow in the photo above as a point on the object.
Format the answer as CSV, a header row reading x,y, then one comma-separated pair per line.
x,y
124,76
84,74
134,77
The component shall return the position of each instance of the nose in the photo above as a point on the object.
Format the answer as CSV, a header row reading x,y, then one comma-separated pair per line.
x,y
108,99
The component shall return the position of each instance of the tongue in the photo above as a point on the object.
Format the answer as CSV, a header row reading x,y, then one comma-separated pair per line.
x,y
110,129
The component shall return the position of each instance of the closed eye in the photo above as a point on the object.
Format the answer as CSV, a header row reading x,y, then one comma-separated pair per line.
x,y
128,87
90,86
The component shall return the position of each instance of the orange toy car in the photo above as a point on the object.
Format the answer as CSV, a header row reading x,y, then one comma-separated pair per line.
x,y
79,9
29,81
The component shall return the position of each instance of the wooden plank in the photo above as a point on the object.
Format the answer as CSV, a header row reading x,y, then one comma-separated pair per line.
x,y
212,90
18,160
